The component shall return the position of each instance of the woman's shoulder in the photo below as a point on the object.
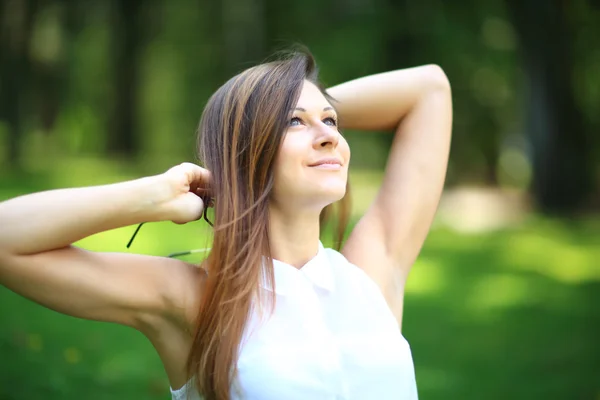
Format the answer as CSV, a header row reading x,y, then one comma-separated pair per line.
x,y
345,270
187,295
171,333
355,286
181,293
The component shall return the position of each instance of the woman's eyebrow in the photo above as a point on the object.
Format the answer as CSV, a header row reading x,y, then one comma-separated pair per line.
x,y
304,110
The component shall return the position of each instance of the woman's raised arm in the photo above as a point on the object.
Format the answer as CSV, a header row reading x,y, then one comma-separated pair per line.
x,y
416,104
38,261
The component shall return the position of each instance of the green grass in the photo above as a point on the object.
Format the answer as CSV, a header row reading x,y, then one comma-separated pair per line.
x,y
509,315
513,314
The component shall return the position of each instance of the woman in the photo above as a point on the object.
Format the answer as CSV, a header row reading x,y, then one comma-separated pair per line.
x,y
270,314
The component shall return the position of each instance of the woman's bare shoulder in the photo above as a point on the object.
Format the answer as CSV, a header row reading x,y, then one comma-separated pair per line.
x,y
172,334
186,286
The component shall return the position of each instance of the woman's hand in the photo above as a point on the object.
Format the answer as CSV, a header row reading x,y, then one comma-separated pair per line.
x,y
183,188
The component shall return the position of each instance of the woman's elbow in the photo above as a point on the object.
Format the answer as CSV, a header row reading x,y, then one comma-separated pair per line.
x,y
436,78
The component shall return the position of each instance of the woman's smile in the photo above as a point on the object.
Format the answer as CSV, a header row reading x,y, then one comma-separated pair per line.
x,y
330,163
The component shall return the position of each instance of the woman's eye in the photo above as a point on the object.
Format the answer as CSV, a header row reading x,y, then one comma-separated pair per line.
x,y
330,121
295,121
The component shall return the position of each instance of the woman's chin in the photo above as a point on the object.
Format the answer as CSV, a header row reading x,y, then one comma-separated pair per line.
x,y
332,194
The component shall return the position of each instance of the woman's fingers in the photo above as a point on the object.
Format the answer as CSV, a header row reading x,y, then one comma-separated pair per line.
x,y
198,176
189,208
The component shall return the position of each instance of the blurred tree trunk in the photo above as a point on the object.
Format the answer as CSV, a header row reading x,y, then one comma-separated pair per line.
x,y
244,33
562,175
127,44
401,43
16,19
401,38
213,23
49,81
48,74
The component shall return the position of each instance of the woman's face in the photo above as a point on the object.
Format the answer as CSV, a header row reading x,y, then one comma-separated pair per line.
x,y
311,169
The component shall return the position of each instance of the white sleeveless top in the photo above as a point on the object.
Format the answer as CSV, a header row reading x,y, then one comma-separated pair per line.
x,y
331,336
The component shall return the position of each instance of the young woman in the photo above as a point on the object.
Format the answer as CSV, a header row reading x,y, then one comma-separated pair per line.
x,y
270,314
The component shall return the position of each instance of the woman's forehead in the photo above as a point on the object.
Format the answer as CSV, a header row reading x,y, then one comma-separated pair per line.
x,y
312,98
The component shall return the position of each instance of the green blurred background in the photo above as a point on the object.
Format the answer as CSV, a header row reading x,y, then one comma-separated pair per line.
x,y
504,301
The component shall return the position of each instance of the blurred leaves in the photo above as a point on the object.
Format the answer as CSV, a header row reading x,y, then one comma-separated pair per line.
x,y
128,79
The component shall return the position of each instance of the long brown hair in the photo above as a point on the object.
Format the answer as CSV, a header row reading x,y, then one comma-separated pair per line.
x,y
240,133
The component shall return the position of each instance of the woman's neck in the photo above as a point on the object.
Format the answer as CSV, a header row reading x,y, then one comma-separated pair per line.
x,y
294,236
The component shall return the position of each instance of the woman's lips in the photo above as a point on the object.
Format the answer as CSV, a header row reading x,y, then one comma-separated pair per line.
x,y
328,163
327,166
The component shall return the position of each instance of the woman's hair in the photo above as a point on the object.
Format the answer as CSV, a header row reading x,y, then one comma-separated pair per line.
x,y
240,133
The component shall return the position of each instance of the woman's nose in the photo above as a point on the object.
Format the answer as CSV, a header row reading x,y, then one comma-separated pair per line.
x,y
326,136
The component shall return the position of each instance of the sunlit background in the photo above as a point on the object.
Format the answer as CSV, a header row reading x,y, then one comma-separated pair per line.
x,y
504,301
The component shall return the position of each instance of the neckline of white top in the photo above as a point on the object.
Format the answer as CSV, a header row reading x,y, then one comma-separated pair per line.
x,y
317,270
